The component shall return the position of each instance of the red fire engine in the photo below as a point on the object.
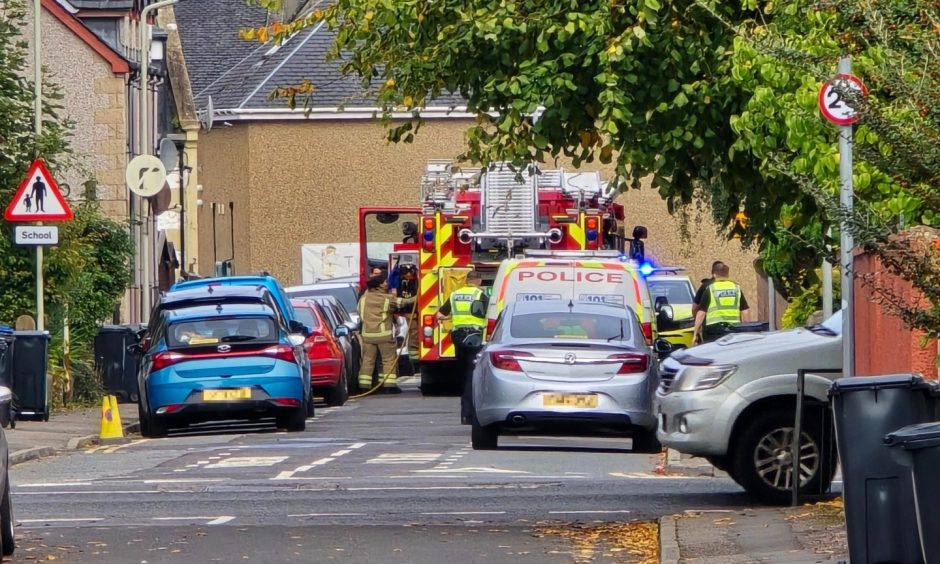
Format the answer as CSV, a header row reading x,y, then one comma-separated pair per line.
x,y
473,219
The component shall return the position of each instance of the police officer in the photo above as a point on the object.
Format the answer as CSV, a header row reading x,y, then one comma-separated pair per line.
x,y
376,310
722,304
464,323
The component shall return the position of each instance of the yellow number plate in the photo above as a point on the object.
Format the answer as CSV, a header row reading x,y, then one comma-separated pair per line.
x,y
226,395
569,400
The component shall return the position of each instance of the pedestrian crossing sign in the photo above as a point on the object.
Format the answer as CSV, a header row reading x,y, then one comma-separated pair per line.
x,y
38,198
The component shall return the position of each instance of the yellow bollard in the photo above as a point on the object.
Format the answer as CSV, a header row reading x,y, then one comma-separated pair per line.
x,y
112,431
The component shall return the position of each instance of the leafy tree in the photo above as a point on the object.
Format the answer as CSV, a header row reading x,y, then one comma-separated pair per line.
x,y
86,274
894,45
715,100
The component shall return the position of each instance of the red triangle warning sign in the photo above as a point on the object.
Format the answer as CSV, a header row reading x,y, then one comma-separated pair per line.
x,y
38,198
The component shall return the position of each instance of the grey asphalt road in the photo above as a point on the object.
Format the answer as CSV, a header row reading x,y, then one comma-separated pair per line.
x,y
384,479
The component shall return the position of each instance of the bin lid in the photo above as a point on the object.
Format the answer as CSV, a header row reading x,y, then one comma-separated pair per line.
x,y
32,334
888,381
6,329
115,329
912,437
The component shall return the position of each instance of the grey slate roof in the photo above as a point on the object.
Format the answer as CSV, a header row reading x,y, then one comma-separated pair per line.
x,y
239,74
209,34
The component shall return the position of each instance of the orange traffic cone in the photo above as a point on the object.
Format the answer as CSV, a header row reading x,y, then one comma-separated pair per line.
x,y
112,432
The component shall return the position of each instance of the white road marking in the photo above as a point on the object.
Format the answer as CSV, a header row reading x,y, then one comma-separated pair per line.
x,y
289,474
590,511
329,515
221,520
404,458
248,462
467,513
642,476
53,485
476,470
62,520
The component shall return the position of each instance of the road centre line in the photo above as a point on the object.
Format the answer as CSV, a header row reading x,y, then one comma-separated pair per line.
x,y
62,520
590,511
330,515
221,520
466,513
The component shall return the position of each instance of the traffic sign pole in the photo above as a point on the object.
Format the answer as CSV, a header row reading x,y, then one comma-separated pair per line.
x,y
846,202
37,86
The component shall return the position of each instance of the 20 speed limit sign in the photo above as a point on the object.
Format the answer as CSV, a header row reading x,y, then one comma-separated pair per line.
x,y
832,102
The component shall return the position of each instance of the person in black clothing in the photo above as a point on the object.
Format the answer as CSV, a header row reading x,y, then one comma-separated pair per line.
x,y
697,299
461,331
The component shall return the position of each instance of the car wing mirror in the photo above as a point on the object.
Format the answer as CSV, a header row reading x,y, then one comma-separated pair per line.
x,y
666,312
299,328
662,347
341,331
296,339
135,348
6,395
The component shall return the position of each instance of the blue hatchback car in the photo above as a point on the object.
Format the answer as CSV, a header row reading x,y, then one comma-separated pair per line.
x,y
223,361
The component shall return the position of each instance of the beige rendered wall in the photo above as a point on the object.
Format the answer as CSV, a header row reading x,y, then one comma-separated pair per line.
x,y
307,180
224,173
95,100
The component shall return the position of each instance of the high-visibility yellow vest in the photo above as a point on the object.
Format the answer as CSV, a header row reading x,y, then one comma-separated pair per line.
x,y
461,301
724,304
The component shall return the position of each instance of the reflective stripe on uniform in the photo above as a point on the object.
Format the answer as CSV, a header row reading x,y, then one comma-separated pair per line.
x,y
724,304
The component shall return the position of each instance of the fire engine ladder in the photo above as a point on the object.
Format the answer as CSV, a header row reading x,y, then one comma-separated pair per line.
x,y
509,207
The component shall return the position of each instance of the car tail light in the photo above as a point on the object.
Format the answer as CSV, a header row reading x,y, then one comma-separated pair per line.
x,y
168,409
427,337
288,402
633,363
279,352
648,332
506,360
164,359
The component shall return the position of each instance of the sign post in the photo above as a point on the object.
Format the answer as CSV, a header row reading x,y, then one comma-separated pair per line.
x,y
145,176
839,111
38,199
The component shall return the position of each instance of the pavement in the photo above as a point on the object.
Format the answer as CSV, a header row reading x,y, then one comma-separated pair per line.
x,y
66,430
385,479
810,533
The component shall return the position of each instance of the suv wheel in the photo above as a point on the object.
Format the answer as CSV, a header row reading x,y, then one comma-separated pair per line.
x,y
762,461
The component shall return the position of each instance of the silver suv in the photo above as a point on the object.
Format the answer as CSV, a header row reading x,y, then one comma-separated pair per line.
x,y
733,403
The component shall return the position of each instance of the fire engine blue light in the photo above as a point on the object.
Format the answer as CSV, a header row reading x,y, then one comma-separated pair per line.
x,y
428,235
646,269
592,234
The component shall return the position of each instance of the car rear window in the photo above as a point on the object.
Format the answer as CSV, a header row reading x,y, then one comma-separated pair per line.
x,y
306,316
565,325
675,291
214,331
346,295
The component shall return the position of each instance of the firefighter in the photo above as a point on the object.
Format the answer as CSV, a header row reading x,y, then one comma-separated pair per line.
x,y
722,305
376,310
458,308
408,288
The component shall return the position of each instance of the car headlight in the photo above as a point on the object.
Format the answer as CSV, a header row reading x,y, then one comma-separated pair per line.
x,y
692,378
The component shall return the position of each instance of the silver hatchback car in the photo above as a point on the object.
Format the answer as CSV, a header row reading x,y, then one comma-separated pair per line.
x,y
556,367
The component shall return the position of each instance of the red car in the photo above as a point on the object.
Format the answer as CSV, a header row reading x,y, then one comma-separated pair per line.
x,y
327,361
